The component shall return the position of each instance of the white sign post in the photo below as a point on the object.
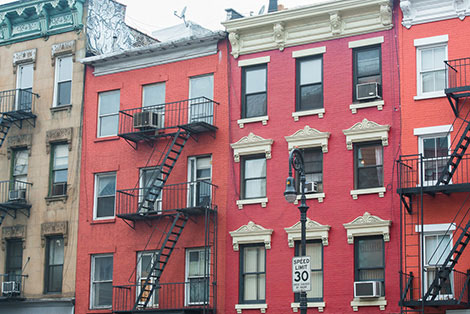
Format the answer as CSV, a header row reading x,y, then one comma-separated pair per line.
x,y
301,280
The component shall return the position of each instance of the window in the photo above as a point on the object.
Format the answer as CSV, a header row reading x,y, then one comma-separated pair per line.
x,y
14,261
19,169
145,262
253,176
54,264
252,274
436,249
199,177
24,85
101,281
108,113
309,83
59,169
149,178
435,151
105,194
197,276
63,81
369,165
431,69
254,91
313,166
367,66
153,95
314,249
369,256
200,109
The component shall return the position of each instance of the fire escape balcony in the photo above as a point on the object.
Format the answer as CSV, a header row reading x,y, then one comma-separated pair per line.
x,y
458,82
14,197
190,198
12,287
18,104
196,115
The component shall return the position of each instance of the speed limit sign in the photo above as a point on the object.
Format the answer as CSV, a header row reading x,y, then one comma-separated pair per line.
x,y
301,274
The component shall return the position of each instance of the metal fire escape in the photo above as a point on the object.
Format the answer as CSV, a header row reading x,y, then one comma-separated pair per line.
x,y
167,127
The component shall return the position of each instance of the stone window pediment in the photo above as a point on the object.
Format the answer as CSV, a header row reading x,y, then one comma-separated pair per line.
x,y
61,49
13,232
314,231
26,56
57,136
367,225
308,137
366,131
54,228
18,141
249,234
250,145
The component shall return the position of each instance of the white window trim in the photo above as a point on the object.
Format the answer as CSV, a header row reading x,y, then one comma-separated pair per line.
x,y
56,80
367,225
261,306
254,61
378,103
308,52
433,130
92,274
251,145
95,197
318,305
314,231
262,200
107,115
366,42
153,303
434,40
357,302
307,138
187,290
379,190
319,112
421,151
366,131
263,119
251,233
436,228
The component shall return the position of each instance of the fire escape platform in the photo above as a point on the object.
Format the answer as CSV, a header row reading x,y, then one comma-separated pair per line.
x,y
155,215
189,310
435,303
435,189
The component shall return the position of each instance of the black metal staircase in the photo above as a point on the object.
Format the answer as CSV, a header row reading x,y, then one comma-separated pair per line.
x,y
5,124
163,255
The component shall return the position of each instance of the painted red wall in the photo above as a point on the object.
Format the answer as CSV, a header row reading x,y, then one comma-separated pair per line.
x,y
115,154
338,206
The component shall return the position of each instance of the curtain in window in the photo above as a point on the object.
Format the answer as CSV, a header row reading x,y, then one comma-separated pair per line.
x,y
379,163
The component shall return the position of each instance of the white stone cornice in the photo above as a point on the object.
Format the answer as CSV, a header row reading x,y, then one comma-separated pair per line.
x,y
419,12
308,24
366,131
314,231
249,234
308,137
250,145
367,225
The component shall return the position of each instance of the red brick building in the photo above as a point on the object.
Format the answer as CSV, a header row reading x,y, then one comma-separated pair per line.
x,y
315,78
155,151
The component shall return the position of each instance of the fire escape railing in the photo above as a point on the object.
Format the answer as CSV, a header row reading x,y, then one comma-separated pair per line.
x,y
14,192
12,285
17,100
458,74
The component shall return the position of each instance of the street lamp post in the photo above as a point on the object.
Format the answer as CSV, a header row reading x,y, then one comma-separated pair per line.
x,y
296,161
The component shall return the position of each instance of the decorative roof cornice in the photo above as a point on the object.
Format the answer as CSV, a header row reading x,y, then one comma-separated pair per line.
x,y
418,12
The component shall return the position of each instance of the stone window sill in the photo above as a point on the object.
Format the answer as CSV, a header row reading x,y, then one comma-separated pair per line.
x,y
107,139
380,191
318,112
378,103
61,108
263,119
432,95
357,302
317,196
261,307
56,198
318,305
103,221
250,201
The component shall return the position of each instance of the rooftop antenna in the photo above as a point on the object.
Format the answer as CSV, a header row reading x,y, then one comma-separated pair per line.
x,y
182,15
261,11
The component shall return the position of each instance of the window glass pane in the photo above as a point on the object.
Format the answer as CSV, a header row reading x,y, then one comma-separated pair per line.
x,y
255,105
370,156
194,264
437,249
153,94
14,257
145,265
440,79
61,156
370,177
261,258
103,268
368,62
255,80
311,97
103,294
56,251
20,166
314,251
54,279
371,274
251,260
429,147
428,82
26,76
109,125
310,71
255,168
262,287
317,285
109,102
427,60
255,188
106,185
370,253
439,57
201,86
105,206
64,90
65,69
250,287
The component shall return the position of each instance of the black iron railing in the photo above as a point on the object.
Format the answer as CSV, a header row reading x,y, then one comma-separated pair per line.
x,y
14,192
167,116
17,100
197,293
411,166
12,285
199,194
458,73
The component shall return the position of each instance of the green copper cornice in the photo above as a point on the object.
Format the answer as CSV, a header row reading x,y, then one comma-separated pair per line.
x,y
20,20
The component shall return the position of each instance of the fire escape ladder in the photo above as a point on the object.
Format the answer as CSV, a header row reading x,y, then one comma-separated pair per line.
x,y
5,124
449,264
455,157
168,163
152,282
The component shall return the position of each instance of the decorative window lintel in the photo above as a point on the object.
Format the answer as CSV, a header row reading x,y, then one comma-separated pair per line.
x,y
13,232
308,137
314,231
17,141
54,228
59,135
250,145
65,48
366,131
367,225
26,56
249,234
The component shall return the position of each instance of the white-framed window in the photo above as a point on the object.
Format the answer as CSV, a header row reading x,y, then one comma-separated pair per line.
x,y
145,261
153,99
105,195
108,113
63,81
197,276
437,247
24,86
435,150
149,177
20,164
201,110
253,177
199,178
101,294
59,169
431,72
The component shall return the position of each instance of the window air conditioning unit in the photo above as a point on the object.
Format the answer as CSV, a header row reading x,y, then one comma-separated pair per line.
x,y
59,189
367,289
368,91
10,287
17,195
311,187
147,119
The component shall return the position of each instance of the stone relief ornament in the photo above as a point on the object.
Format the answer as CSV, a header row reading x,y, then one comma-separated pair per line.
x,y
251,144
234,39
18,231
23,140
336,23
459,6
368,224
54,228
26,56
59,135
251,233
279,35
306,136
314,230
386,14
67,47
365,130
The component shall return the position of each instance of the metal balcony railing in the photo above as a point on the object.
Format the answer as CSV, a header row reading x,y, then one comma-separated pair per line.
x,y
17,101
181,196
195,294
14,194
12,285
458,75
199,111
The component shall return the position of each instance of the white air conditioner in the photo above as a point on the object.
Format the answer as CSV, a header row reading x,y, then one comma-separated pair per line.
x,y
367,289
368,91
10,287
311,187
147,119
17,195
